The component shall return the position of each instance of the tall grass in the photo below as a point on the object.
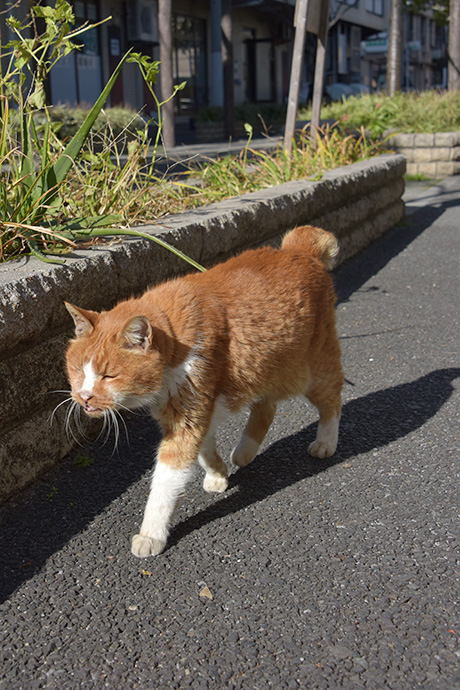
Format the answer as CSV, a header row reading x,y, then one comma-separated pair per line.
x,y
312,154
59,192
428,111
39,172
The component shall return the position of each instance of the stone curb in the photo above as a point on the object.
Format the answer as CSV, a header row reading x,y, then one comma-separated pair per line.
x,y
432,155
358,202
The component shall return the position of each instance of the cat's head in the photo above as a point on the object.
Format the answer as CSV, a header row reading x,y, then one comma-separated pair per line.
x,y
116,360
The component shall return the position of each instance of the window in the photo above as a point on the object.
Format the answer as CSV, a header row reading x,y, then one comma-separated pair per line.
x,y
189,62
85,10
375,7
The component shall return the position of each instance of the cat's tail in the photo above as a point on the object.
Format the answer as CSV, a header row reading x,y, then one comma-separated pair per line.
x,y
314,241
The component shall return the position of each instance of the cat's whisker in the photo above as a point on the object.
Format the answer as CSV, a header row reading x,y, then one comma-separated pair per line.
x,y
79,425
116,429
53,414
103,429
68,426
144,408
118,413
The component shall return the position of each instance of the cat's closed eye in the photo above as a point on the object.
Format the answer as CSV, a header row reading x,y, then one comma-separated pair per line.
x,y
109,376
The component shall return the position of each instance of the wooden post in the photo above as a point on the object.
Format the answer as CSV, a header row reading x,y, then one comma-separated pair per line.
x,y
320,66
394,48
296,72
453,65
227,58
166,75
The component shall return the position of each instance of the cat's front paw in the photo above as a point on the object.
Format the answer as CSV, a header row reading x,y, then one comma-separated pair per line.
x,y
146,546
321,450
215,483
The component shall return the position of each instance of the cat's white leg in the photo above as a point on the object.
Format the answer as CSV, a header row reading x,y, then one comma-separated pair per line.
x,y
245,452
327,437
324,394
216,477
167,486
262,413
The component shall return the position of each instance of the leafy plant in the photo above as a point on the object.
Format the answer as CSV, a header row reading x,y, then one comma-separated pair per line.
x,y
428,111
311,156
35,171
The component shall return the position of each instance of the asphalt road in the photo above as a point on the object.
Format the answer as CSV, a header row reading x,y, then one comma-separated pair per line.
x,y
342,573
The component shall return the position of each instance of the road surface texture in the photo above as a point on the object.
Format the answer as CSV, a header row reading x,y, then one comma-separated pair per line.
x,y
342,573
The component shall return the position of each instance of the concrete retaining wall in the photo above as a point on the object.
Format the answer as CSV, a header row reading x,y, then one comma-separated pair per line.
x,y
433,155
358,203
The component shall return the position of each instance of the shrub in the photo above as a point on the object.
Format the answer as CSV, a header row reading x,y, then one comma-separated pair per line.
x,y
428,111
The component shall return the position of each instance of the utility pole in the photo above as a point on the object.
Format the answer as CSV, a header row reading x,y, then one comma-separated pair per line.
x,y
166,71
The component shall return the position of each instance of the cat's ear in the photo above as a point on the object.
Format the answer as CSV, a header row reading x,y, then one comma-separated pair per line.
x,y
137,334
83,319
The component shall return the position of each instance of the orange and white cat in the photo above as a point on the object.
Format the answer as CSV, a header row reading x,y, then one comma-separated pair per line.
x,y
254,330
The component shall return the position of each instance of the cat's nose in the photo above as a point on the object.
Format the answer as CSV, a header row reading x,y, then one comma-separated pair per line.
x,y
85,396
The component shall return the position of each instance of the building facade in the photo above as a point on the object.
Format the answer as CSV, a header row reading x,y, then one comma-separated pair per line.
x,y
262,40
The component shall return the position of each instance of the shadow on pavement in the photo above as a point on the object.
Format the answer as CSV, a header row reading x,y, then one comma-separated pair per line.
x,y
360,268
370,422
37,523
42,518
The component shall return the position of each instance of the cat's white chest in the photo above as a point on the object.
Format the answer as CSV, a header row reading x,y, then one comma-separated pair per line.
x,y
174,378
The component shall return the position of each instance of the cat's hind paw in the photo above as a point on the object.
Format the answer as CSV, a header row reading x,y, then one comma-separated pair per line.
x,y
146,546
245,452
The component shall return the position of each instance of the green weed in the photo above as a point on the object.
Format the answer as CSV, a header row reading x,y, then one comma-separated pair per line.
x,y
52,494
82,460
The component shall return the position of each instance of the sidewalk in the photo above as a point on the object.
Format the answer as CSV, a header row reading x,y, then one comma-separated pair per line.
x,y
179,158
323,574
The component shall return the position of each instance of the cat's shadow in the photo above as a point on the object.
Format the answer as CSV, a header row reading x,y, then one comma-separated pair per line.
x,y
370,422
41,520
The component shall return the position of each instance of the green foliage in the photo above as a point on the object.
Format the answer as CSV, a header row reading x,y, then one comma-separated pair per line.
x,y
428,111
440,9
117,122
264,118
34,171
82,460
52,494
149,70
38,169
312,154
